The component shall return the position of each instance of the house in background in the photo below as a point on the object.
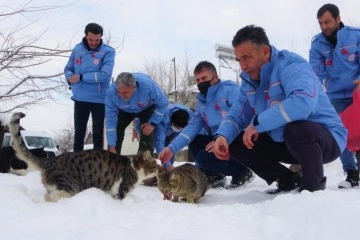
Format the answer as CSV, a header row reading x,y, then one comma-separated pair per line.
x,y
185,96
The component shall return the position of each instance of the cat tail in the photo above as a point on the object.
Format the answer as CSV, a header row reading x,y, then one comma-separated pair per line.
x,y
22,152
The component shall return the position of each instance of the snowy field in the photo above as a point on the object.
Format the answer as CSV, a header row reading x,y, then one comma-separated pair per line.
x,y
246,213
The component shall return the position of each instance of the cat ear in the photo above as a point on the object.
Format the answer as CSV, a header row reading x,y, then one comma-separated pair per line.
x,y
147,155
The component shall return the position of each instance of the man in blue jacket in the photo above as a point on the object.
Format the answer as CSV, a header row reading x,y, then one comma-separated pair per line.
x,y
175,119
133,95
89,72
335,58
214,100
292,121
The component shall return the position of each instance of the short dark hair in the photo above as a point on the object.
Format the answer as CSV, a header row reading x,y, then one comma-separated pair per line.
x,y
204,64
251,33
333,9
94,28
180,118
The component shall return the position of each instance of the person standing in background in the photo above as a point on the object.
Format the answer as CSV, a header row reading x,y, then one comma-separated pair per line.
x,y
335,58
88,71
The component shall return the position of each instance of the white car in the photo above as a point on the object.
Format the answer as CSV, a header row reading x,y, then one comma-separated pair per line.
x,y
35,139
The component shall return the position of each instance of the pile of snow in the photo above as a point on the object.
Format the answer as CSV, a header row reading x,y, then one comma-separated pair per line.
x,y
245,213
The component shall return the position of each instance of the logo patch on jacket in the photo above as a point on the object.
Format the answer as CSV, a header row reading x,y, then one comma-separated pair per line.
x,y
96,61
329,62
351,57
77,61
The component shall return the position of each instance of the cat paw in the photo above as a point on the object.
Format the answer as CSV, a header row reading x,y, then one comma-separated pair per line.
x,y
175,199
120,196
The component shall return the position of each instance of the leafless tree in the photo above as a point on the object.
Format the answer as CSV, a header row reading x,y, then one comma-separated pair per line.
x,y
22,57
186,90
64,138
163,72
160,70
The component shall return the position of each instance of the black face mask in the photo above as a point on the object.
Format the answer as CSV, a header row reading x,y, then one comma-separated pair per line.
x,y
203,87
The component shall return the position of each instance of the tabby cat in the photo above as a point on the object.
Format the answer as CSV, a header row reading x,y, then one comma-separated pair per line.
x,y
184,181
70,173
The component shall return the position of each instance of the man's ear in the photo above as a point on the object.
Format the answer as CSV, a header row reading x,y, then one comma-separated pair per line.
x,y
266,50
338,19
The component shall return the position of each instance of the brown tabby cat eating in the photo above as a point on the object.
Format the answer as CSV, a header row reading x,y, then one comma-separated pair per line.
x,y
184,181
70,173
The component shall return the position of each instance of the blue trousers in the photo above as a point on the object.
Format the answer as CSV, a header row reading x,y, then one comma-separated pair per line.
x,y
208,163
347,158
306,143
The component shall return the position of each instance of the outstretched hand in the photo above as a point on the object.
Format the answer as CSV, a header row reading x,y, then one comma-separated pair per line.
x,y
165,155
221,148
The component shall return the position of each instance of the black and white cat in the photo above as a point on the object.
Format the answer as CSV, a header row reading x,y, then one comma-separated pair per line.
x,y
9,163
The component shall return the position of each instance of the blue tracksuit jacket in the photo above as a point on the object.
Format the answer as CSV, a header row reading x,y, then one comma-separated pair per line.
x,y
163,130
288,90
146,94
95,67
209,112
337,66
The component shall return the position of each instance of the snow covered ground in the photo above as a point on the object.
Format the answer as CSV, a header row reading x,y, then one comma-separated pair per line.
x,y
245,213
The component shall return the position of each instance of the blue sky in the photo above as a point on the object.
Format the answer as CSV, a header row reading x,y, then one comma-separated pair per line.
x,y
160,29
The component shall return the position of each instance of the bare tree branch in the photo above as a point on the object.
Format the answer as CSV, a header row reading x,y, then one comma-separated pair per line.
x,y
26,77
162,71
65,138
25,8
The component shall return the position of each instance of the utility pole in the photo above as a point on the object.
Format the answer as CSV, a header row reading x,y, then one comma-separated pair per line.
x,y
173,60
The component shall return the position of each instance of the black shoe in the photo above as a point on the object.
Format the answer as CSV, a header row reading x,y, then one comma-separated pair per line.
x,y
321,186
287,182
238,181
352,179
216,180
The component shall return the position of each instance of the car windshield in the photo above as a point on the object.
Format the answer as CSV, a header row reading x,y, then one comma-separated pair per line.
x,y
38,142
